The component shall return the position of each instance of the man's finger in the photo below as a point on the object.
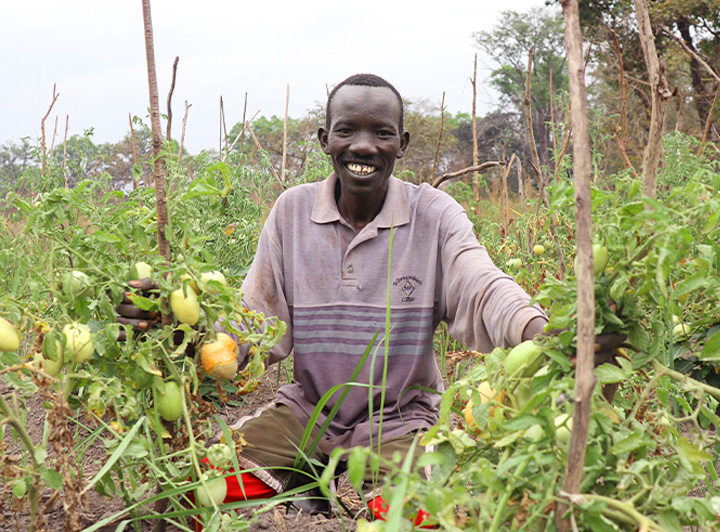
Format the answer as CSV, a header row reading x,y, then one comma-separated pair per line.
x,y
143,284
128,310
136,324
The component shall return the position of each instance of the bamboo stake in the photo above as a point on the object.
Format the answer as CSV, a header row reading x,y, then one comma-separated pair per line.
x,y
259,147
169,98
64,163
54,135
284,148
437,146
476,156
584,373
708,122
42,128
157,141
535,163
182,136
242,138
241,135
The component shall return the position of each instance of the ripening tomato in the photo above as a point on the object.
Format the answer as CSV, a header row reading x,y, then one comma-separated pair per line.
x,y
219,358
9,337
185,306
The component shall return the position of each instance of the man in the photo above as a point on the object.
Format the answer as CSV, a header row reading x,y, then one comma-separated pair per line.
x,y
322,266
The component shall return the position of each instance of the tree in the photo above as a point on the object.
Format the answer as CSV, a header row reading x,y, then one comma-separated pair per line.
x,y
508,45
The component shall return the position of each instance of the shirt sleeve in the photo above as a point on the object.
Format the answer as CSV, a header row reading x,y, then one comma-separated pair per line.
x,y
264,287
483,306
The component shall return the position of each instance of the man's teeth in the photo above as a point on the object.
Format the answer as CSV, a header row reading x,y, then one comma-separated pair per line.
x,y
360,169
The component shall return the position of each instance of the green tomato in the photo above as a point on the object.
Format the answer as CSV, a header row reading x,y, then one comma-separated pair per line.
x,y
185,305
140,270
213,491
525,357
169,404
514,264
539,249
52,354
534,432
600,259
78,341
681,331
206,277
79,283
9,337
563,429
219,455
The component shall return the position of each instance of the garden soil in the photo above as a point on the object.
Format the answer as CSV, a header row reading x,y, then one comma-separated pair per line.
x,y
97,507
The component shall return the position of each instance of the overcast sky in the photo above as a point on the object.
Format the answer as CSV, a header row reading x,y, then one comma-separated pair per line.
x,y
94,51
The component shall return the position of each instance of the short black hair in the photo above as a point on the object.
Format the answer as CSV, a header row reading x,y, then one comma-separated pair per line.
x,y
363,80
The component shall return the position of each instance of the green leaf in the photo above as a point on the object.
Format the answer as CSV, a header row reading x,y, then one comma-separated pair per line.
x,y
692,284
356,464
711,349
609,373
691,452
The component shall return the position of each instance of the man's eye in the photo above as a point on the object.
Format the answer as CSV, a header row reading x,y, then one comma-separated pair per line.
x,y
343,131
385,134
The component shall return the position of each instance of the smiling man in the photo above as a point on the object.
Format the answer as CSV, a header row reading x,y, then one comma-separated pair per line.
x,y
333,258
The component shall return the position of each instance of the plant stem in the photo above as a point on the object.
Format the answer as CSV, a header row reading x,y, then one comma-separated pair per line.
x,y
11,419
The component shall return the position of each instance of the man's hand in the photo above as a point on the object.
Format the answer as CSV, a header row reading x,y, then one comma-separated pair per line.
x,y
129,314
605,348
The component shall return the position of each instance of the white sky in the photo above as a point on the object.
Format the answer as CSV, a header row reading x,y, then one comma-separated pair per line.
x,y
94,51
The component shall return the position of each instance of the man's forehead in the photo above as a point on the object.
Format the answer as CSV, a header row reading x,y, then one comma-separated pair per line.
x,y
354,96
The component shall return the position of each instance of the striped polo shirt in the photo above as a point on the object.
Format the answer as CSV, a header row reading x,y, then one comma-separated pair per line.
x,y
330,285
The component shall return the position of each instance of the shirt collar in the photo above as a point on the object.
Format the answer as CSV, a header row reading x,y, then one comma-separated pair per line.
x,y
394,211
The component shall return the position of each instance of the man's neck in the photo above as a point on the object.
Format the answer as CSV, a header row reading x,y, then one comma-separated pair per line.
x,y
359,211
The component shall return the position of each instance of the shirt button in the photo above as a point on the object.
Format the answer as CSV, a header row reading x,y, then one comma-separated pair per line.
x,y
349,269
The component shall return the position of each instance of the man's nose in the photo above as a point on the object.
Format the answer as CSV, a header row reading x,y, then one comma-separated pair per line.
x,y
364,144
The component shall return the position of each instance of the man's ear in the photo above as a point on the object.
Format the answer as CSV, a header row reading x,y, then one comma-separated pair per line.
x,y
404,141
322,135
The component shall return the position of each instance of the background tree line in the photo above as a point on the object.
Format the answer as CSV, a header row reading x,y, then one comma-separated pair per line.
x,y
687,35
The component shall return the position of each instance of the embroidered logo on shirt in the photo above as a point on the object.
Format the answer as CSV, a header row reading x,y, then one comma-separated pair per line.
x,y
408,286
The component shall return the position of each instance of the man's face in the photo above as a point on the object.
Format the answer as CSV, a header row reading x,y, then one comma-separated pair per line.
x,y
364,138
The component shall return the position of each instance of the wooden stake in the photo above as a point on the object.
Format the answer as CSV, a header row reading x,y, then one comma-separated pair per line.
x,y
584,373
157,141
437,146
476,176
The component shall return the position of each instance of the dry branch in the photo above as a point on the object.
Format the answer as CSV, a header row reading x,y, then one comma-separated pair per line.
x,y
622,126
660,93
169,98
449,175
182,136
584,376
692,54
42,128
